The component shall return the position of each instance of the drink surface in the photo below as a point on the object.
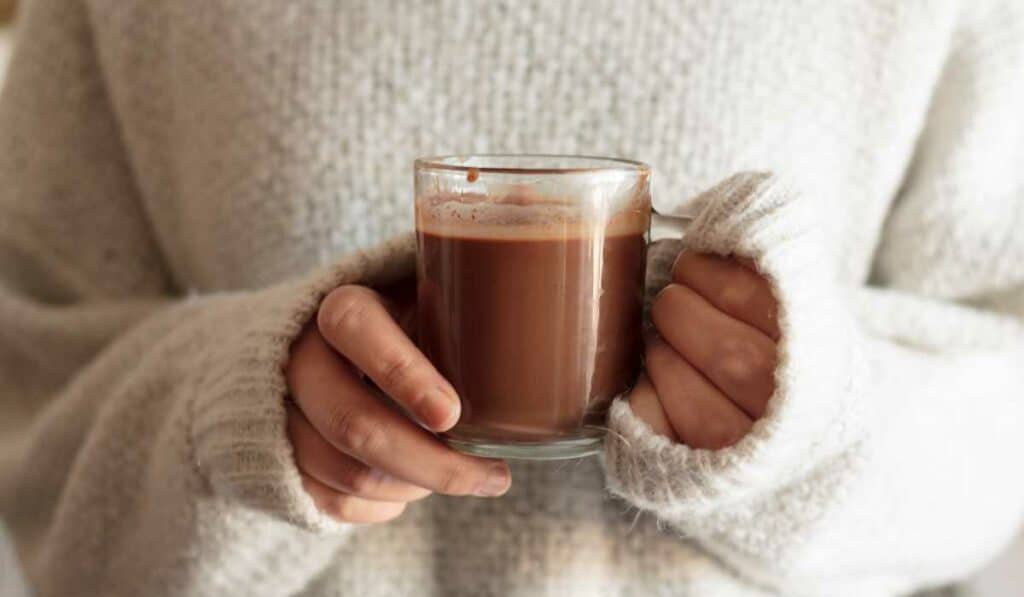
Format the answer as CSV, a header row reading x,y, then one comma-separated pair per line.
x,y
536,322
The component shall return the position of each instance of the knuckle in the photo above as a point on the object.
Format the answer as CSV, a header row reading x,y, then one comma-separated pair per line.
x,y
359,479
741,362
737,296
396,369
457,478
356,432
343,310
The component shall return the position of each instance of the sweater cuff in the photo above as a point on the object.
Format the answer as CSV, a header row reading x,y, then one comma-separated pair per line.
x,y
238,432
811,416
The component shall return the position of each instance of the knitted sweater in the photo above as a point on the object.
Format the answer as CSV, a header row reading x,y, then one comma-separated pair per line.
x,y
179,176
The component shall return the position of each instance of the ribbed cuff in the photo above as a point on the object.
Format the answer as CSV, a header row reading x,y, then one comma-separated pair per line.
x,y
811,416
238,416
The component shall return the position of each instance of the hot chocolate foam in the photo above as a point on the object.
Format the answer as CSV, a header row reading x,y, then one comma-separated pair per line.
x,y
525,217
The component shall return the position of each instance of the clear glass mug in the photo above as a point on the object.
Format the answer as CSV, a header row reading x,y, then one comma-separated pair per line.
x,y
530,274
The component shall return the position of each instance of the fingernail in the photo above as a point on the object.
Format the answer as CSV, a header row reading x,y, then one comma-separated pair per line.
x,y
495,484
440,410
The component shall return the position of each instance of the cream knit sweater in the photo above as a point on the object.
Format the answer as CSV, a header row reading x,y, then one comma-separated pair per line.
x,y
172,170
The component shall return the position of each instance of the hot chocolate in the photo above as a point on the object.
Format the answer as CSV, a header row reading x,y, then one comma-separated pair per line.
x,y
537,325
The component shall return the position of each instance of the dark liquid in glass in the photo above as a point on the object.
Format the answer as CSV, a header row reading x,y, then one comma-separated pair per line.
x,y
538,328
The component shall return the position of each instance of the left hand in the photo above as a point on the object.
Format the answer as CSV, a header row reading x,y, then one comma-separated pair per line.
x,y
711,370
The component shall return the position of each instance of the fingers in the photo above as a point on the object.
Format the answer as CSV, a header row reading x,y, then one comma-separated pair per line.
x,y
701,416
643,399
318,459
737,358
350,508
355,321
731,285
345,412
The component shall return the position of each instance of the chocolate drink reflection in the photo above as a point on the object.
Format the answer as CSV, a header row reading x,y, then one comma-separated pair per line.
x,y
537,329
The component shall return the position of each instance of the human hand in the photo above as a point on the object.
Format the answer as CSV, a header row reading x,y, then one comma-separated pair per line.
x,y
361,459
711,370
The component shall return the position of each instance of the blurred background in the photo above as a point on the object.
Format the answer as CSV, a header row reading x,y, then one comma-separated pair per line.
x,y
1004,578
7,10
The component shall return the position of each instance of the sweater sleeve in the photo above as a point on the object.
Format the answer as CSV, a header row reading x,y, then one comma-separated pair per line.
x,y
886,458
142,438
165,456
165,459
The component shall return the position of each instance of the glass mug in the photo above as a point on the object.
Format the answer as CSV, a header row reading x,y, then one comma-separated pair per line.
x,y
530,273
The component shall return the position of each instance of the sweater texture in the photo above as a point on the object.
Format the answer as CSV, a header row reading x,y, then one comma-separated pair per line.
x,y
183,180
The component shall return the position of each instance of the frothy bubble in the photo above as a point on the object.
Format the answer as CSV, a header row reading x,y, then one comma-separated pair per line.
x,y
513,210
523,214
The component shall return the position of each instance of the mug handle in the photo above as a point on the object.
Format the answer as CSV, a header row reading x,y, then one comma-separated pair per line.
x,y
668,227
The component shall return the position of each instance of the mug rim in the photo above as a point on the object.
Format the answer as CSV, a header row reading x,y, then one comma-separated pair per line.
x,y
601,164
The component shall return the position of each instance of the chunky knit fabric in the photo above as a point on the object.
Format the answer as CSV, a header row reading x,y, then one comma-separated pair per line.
x,y
178,178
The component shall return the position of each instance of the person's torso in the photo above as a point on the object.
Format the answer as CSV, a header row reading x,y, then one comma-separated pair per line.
x,y
270,138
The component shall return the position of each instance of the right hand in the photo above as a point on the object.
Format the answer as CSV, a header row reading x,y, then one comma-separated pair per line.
x,y
361,459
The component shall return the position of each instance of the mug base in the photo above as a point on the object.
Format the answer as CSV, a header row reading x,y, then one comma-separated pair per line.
x,y
586,443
